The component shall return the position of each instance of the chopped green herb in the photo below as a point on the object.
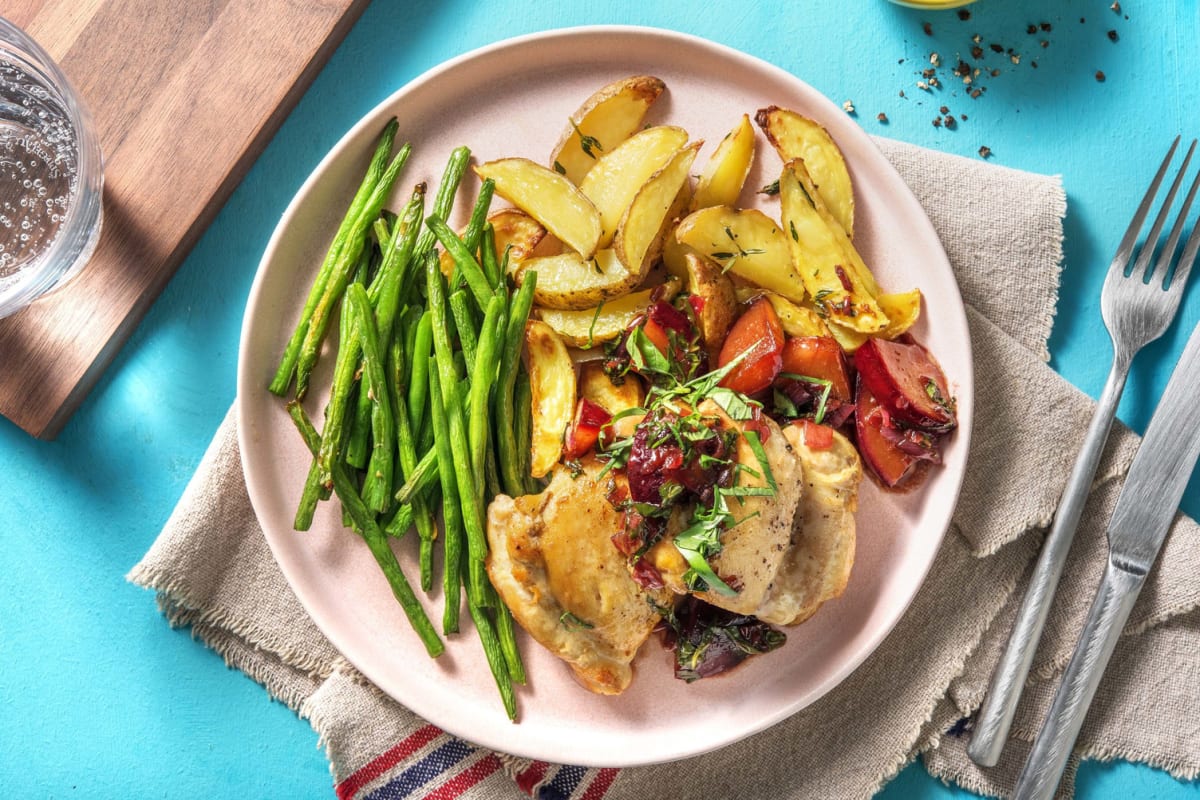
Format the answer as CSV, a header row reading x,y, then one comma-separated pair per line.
x,y
574,623
587,143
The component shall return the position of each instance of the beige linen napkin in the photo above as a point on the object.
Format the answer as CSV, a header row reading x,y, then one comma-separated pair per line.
x,y
913,697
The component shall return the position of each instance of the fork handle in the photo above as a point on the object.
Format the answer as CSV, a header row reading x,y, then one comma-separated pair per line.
x,y
1044,768
995,717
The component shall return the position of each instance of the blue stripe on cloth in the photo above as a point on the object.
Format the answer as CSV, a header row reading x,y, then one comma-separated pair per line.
x,y
420,773
564,782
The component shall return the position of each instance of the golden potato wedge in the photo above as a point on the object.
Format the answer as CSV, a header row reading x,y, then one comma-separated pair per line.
x,y
638,241
674,254
796,136
797,320
902,311
847,338
823,256
514,229
589,327
595,385
721,182
746,243
612,184
568,281
607,118
549,198
672,251
718,304
552,387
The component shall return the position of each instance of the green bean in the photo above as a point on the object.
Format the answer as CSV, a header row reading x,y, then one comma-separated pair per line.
x,y
377,486
423,476
384,291
441,321
510,357
339,393
472,510
406,448
487,257
310,348
464,323
493,652
287,365
452,523
522,425
479,214
456,167
377,543
467,266
311,494
482,379
418,382
508,639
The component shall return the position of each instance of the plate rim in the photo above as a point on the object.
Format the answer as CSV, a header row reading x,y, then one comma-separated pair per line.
x,y
964,383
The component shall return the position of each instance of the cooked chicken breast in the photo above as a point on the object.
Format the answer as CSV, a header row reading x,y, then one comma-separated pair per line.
x,y
554,564
817,565
753,549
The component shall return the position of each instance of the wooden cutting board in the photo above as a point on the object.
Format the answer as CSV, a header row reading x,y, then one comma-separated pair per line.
x,y
151,73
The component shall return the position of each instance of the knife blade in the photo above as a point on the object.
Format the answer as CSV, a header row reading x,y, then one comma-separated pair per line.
x,y
1137,529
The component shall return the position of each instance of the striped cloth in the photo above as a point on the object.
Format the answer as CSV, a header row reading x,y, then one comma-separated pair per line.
x,y
431,764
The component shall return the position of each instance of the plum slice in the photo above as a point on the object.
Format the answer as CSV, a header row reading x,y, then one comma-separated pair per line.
x,y
889,463
907,382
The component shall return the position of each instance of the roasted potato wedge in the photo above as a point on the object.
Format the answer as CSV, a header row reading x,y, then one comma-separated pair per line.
x,y
824,256
746,243
795,319
568,281
589,327
514,229
617,176
549,198
596,386
607,118
718,304
721,181
902,309
552,385
796,136
638,241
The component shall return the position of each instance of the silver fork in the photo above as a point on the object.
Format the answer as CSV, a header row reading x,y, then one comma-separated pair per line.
x,y
1137,309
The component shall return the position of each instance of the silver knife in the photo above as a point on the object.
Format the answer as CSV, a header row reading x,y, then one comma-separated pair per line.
x,y
1145,508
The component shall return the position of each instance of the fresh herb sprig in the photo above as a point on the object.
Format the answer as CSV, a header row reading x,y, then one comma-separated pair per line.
x,y
671,406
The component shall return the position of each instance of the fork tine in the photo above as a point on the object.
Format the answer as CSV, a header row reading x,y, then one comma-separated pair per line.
x,y
1143,259
1176,279
1125,248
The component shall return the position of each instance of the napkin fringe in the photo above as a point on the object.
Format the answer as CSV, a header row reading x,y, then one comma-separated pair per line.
x,y
1176,768
1058,204
183,610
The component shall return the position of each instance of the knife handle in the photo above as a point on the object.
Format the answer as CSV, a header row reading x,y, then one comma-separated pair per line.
x,y
995,717
1044,768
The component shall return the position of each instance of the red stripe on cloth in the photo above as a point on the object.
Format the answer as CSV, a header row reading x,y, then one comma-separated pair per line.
x,y
599,785
386,760
466,779
530,777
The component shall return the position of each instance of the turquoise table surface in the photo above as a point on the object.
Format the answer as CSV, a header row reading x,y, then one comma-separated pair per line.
x,y
100,698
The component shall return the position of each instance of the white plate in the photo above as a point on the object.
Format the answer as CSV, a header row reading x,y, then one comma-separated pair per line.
x,y
513,98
